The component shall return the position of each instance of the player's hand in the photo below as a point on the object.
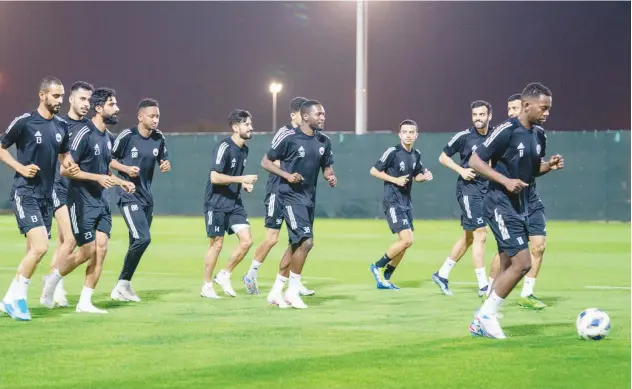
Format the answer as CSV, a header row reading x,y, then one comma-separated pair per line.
x,y
165,166
332,180
248,187
133,171
468,174
556,162
427,176
73,169
107,181
295,178
29,171
249,179
129,187
515,186
401,181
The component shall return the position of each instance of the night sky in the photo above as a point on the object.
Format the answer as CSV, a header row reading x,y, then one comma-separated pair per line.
x,y
427,60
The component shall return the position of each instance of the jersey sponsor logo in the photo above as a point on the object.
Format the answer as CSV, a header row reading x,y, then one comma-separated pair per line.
x,y
58,137
233,163
38,137
134,152
402,166
97,150
538,148
301,152
155,151
321,150
521,150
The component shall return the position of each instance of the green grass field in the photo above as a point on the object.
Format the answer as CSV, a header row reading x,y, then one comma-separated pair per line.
x,y
352,335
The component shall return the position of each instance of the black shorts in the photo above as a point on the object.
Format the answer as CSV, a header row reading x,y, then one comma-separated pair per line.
x,y
274,211
509,228
299,220
219,223
60,196
472,212
32,212
86,220
399,219
138,218
537,222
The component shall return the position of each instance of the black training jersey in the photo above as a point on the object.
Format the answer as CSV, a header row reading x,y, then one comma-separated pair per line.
x,y
92,151
534,198
396,161
273,179
73,125
133,149
38,141
303,154
228,159
465,143
515,153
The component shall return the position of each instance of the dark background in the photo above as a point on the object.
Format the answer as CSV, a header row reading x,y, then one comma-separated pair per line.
x,y
427,60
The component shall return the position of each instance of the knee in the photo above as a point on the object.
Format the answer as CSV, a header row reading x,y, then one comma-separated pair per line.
x,y
538,248
468,239
407,242
272,239
144,241
480,235
217,243
102,247
39,249
307,244
525,263
246,242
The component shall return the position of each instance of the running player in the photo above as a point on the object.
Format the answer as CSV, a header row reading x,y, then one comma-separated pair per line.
x,y
514,151
135,154
274,211
398,167
90,213
303,153
80,93
470,192
40,138
223,208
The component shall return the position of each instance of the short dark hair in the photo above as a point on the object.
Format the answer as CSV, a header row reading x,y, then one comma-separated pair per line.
x,y
81,85
408,122
237,116
295,103
481,103
148,102
307,105
515,96
47,82
100,96
535,90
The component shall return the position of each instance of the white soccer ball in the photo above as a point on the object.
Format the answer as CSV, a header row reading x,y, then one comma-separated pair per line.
x,y
593,324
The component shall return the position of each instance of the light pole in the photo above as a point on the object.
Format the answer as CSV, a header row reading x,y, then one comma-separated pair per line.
x,y
361,67
275,88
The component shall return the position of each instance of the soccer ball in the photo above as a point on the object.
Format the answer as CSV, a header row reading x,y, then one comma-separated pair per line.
x,y
593,324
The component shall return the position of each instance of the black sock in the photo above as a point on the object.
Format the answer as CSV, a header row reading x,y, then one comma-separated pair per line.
x,y
383,262
389,272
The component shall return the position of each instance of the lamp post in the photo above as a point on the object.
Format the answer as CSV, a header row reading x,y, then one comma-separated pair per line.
x,y
275,88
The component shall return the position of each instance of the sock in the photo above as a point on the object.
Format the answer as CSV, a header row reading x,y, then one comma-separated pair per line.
x,y
207,285
527,287
481,277
295,283
122,283
444,272
492,304
389,272
60,284
20,290
223,274
8,297
383,261
279,283
86,296
254,268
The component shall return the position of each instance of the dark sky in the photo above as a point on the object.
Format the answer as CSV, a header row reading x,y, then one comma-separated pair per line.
x,y
427,60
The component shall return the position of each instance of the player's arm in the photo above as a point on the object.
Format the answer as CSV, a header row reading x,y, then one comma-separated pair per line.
x,y
220,160
556,162
9,138
78,148
327,165
163,156
118,152
421,174
271,160
455,145
378,170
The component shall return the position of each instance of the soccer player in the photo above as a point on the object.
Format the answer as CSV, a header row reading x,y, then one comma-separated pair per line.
x,y
80,93
536,226
303,153
41,138
90,214
470,192
135,154
223,208
398,167
274,212
515,153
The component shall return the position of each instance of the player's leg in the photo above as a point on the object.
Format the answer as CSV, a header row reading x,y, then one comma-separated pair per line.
x,y
459,249
398,221
494,270
406,239
238,221
65,245
275,297
136,219
537,240
93,272
215,230
478,259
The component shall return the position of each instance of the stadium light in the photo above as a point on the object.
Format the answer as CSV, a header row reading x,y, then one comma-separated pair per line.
x,y
275,88
361,67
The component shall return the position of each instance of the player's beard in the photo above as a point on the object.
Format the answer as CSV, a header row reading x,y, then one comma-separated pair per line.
x,y
52,108
110,120
479,125
316,127
246,135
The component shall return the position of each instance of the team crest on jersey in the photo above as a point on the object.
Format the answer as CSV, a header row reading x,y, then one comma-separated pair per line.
x,y
301,152
233,163
538,148
97,150
402,166
474,148
155,151
134,152
58,137
321,150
